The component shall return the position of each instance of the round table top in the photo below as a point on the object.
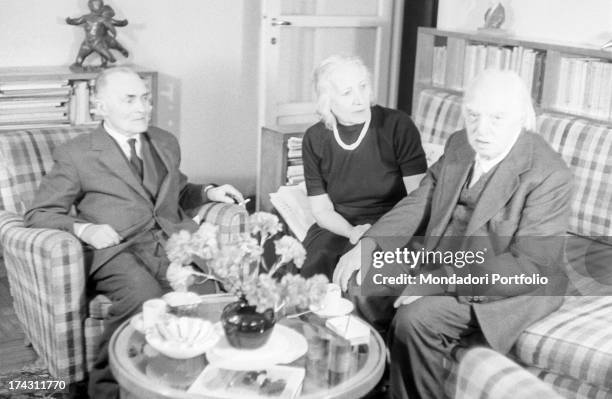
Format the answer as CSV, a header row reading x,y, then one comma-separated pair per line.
x,y
142,372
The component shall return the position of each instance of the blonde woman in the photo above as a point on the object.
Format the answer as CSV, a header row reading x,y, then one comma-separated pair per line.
x,y
359,161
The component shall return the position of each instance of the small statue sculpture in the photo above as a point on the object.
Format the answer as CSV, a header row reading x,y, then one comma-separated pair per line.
x,y
494,16
100,34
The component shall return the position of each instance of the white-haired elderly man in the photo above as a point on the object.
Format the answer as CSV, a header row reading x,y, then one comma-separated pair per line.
x,y
499,189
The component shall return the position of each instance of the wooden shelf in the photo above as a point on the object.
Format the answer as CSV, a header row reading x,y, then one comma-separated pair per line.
x,y
551,88
273,161
33,74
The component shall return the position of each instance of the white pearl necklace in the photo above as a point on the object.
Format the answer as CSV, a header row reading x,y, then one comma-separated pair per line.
x,y
351,147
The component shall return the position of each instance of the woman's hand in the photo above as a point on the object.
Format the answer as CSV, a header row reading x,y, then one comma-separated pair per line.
x,y
357,232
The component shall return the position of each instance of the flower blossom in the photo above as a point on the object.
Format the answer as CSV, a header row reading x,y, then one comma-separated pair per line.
x,y
265,223
290,249
178,248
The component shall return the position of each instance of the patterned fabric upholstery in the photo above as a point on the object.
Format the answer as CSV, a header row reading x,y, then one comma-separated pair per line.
x,y
438,115
575,341
571,348
484,373
25,155
45,267
46,276
587,148
569,387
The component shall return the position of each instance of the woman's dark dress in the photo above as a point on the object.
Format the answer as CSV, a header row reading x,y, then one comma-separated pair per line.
x,y
363,184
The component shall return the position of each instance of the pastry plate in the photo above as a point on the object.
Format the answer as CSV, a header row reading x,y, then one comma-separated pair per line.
x,y
284,346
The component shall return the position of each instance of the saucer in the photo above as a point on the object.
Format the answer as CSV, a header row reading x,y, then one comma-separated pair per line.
x,y
340,307
284,346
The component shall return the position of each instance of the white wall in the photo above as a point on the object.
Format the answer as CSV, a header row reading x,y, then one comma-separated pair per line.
x,y
204,50
580,22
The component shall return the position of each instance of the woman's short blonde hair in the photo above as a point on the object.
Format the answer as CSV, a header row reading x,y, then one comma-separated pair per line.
x,y
323,84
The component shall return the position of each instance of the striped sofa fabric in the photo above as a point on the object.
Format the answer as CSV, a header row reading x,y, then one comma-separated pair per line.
x,y
45,267
572,348
505,380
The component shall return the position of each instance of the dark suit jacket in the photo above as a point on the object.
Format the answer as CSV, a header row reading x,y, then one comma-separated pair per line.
x,y
91,173
525,203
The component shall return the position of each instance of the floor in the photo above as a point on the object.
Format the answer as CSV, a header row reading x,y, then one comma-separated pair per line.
x,y
13,353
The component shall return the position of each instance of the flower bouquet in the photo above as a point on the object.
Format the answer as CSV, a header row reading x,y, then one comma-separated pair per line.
x,y
240,267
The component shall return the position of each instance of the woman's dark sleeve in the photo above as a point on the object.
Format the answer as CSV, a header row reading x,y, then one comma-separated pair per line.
x,y
408,149
315,185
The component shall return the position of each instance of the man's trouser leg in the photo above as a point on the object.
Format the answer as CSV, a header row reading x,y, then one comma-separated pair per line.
x,y
127,282
422,335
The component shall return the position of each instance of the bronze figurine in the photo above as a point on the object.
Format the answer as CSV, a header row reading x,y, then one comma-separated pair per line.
x,y
100,34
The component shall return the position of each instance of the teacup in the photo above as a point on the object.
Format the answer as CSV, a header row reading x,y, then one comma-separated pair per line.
x,y
153,311
332,296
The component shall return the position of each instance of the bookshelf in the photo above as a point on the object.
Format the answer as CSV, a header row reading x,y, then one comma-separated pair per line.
x,y
280,161
564,79
37,97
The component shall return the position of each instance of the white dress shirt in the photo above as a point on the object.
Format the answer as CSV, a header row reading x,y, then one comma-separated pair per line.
x,y
122,140
482,165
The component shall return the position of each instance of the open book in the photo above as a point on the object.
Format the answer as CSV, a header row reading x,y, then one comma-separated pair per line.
x,y
292,204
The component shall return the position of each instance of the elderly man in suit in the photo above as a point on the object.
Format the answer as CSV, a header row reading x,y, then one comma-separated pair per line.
x,y
129,196
499,188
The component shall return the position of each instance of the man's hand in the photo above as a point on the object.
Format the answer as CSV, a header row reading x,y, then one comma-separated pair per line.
x,y
357,232
347,265
351,262
225,193
100,236
405,300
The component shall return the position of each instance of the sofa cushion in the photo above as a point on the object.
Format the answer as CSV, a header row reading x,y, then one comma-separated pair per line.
x,y
569,387
587,148
575,341
25,156
438,115
485,373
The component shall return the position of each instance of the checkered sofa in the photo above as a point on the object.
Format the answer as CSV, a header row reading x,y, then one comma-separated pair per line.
x,y
45,267
571,349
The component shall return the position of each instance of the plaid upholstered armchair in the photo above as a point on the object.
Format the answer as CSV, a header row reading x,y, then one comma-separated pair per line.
x,y
45,267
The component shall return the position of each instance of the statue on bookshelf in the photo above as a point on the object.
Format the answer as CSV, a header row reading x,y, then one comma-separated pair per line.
x,y
495,16
100,35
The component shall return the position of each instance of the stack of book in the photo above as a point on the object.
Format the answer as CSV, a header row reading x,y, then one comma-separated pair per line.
x,y
295,166
528,63
82,104
585,87
31,103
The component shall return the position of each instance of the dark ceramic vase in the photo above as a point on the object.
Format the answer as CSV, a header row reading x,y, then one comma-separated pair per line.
x,y
244,327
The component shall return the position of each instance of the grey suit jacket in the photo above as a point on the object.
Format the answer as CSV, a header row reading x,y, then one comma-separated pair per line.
x,y
91,174
525,203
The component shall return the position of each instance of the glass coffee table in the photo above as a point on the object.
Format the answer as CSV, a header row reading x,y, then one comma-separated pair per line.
x,y
332,370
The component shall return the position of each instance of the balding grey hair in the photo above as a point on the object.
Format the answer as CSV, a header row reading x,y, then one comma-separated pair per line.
x,y
104,76
514,85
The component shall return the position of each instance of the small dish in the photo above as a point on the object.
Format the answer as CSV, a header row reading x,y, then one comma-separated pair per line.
x,y
183,337
284,346
339,307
